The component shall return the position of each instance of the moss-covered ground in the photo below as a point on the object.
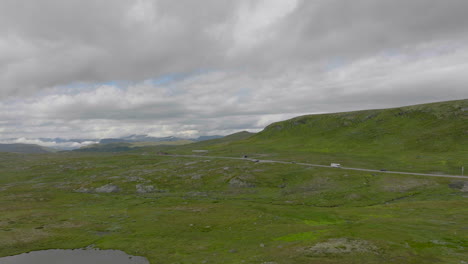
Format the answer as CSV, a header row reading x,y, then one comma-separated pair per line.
x,y
229,211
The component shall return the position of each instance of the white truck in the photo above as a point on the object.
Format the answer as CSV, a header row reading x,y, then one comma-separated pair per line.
x,y
335,165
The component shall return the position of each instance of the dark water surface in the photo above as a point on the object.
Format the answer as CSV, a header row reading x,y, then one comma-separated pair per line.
x,y
74,256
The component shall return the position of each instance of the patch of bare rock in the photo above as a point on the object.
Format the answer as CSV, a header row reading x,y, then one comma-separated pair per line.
x,y
108,188
341,246
140,188
239,183
460,185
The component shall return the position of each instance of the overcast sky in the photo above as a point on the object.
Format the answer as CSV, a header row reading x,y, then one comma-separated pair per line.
x,y
96,69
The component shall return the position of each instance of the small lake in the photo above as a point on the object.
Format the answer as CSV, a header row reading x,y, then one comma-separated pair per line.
x,y
74,256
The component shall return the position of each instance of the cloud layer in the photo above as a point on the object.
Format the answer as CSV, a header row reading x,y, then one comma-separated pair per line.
x,y
94,69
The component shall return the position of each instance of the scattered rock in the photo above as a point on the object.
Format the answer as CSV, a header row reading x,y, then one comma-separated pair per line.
x,y
277,127
299,122
83,190
199,194
353,196
102,233
140,188
196,177
108,188
405,185
437,242
460,185
238,183
135,179
341,246
233,250
465,187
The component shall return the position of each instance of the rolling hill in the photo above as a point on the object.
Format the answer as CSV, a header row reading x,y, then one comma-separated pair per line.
x,y
436,127
219,142
427,137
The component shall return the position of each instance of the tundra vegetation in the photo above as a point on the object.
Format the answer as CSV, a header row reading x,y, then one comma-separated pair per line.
x,y
211,210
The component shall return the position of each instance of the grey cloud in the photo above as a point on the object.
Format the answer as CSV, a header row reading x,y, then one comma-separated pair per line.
x,y
368,25
324,30
160,110
247,62
95,41
100,40
51,144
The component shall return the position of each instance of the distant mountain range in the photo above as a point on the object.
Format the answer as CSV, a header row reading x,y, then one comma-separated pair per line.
x,y
25,148
62,140
46,145
146,138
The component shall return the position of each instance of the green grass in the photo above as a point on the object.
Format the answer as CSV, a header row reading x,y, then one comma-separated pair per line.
x,y
309,236
201,216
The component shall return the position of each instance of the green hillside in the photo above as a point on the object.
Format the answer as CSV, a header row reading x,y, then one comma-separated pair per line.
x,y
218,142
437,128
428,137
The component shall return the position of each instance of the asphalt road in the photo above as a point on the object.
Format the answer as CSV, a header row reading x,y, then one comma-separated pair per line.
x,y
322,166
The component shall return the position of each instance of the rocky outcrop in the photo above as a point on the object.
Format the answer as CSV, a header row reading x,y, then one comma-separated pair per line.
x,y
342,246
238,183
140,188
108,188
